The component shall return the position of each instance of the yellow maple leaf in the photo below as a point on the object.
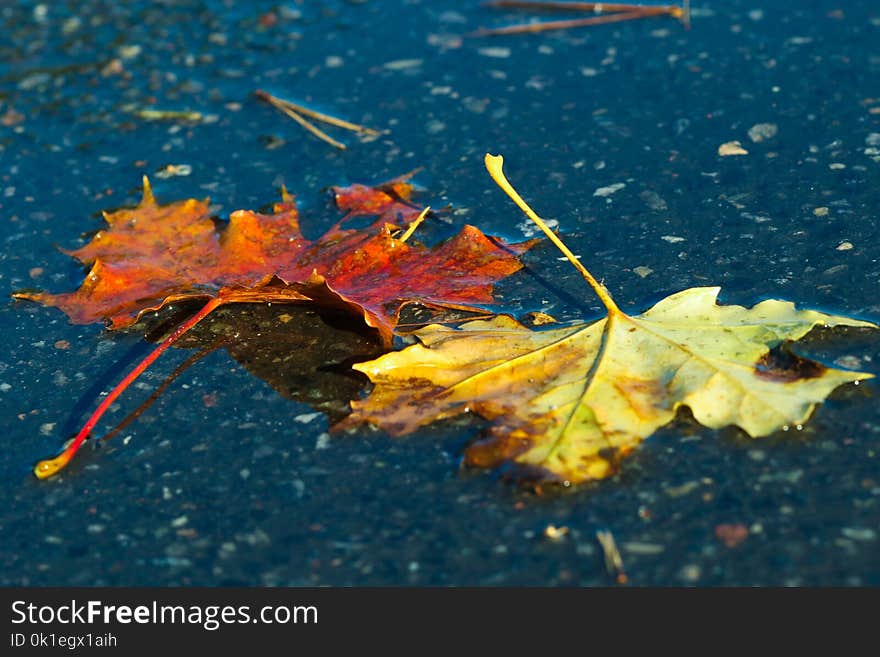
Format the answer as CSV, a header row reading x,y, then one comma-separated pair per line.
x,y
567,403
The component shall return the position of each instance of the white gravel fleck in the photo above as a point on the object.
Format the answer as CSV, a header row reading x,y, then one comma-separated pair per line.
x,y
496,53
761,131
530,230
859,533
609,190
635,547
402,64
690,573
729,148
33,80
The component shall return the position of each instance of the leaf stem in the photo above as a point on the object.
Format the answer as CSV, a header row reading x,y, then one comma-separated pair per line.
x,y
171,378
49,467
494,165
415,224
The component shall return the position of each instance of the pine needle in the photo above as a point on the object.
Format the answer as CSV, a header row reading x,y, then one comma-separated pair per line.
x,y
606,13
298,114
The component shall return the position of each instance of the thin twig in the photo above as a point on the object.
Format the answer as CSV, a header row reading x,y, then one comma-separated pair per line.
x,y
319,116
298,114
597,7
311,127
546,26
608,13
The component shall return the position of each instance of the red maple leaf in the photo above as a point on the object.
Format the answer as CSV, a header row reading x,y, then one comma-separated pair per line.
x,y
152,255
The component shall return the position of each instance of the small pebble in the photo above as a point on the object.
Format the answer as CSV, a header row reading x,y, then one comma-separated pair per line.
x,y
848,362
731,534
172,170
859,533
761,131
690,573
402,64
555,533
609,190
731,148
497,53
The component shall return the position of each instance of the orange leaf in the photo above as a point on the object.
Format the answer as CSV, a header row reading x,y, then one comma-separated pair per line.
x,y
153,254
